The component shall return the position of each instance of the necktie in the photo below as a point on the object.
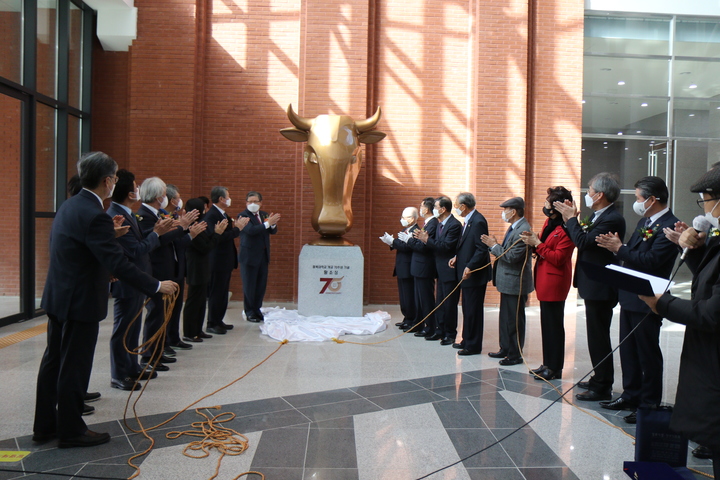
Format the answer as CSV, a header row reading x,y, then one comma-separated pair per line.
x,y
258,218
648,222
507,235
441,229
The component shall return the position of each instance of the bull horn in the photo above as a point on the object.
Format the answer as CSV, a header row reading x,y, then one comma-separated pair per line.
x,y
369,123
300,122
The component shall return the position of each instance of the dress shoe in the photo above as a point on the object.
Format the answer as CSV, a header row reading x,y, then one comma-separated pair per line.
x,y
631,419
166,359
88,409
465,351
498,354
217,330
539,369
197,339
510,361
446,341
436,336
699,452
46,437
182,345
226,326
92,397
399,324
253,319
127,384
87,439
422,334
204,335
593,396
619,404
584,385
158,368
406,328
146,375
169,352
548,374
459,346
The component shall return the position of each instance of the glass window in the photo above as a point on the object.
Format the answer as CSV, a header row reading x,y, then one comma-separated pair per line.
x,y
73,145
617,35
626,76
45,159
697,38
696,78
696,118
47,47
42,255
692,160
75,56
625,116
11,39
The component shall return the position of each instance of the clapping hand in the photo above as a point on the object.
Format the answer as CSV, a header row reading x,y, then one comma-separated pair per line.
x,y
272,219
404,236
421,235
387,239
163,226
221,226
197,228
610,241
241,222
674,234
187,219
567,209
530,238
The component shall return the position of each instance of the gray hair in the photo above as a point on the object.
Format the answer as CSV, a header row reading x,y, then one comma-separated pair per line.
x,y
410,212
172,191
467,199
218,192
151,189
606,183
94,167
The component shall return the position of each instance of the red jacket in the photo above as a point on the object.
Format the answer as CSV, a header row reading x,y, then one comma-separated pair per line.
x,y
553,268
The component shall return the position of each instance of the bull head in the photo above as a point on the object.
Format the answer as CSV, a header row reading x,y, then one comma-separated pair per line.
x,y
333,157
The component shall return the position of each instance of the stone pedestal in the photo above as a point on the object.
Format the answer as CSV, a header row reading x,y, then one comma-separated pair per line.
x,y
330,281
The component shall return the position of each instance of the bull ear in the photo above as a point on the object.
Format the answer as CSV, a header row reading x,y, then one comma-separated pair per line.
x,y
295,135
373,136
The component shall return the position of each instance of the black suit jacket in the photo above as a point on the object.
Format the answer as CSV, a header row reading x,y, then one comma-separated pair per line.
x,y
137,249
655,256
223,258
422,264
473,253
589,251
197,257
255,239
444,246
83,255
403,257
165,265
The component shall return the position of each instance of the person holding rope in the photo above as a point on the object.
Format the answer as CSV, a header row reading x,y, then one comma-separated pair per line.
x,y
83,256
696,414
553,276
600,298
422,268
512,277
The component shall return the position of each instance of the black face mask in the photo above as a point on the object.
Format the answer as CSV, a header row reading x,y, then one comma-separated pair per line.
x,y
549,212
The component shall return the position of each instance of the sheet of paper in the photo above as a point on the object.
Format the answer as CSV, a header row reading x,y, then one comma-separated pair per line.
x,y
659,284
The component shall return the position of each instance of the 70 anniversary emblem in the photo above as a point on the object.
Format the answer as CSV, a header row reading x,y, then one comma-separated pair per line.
x,y
331,285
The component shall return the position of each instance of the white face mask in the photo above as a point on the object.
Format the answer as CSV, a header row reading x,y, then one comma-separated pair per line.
x,y
457,212
505,216
639,207
228,202
589,201
164,202
253,207
436,212
137,194
712,219
179,204
404,222
111,191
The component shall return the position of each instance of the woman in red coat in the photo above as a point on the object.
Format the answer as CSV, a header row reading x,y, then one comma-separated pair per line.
x,y
553,276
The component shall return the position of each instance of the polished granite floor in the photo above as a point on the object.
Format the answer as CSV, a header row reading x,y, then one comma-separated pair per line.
x,y
404,409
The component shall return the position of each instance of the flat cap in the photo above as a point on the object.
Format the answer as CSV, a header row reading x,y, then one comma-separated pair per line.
x,y
515,202
708,183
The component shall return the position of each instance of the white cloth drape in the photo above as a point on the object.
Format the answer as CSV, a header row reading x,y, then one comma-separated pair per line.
x,y
282,324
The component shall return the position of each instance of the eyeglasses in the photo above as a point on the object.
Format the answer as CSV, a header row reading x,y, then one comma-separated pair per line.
x,y
701,201
114,179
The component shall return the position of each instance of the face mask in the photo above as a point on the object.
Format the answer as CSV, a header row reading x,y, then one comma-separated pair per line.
x,y
111,191
137,193
228,201
179,205
710,218
253,207
505,216
457,212
639,208
549,212
404,222
436,212
589,201
164,202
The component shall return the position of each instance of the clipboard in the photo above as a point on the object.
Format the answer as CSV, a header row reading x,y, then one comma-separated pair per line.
x,y
626,279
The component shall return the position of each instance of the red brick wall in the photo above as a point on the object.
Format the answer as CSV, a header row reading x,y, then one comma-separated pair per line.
x,y
10,119
201,95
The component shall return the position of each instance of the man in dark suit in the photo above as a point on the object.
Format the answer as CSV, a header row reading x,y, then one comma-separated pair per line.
x,y
444,245
403,259
164,259
83,256
255,254
648,251
124,367
600,298
513,264
222,259
472,254
422,268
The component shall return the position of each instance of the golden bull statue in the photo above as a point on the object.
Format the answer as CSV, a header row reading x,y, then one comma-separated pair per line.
x,y
333,157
